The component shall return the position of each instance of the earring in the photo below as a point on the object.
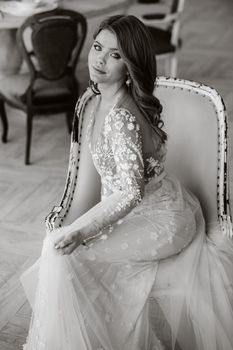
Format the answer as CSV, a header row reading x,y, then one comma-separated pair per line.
x,y
128,80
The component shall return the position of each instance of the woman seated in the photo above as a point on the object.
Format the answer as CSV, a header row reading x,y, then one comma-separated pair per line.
x,y
125,230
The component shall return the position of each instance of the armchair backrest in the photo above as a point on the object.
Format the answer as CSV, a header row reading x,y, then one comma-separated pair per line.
x,y
194,117
169,19
51,42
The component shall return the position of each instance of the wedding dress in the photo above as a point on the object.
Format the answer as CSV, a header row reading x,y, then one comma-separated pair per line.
x,y
148,278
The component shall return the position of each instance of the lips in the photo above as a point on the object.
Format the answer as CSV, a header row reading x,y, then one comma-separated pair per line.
x,y
97,70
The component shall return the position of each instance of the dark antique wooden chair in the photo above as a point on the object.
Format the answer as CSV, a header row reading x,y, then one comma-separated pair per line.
x,y
165,30
50,43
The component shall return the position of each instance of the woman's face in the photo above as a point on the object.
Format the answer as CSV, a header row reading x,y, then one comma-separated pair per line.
x,y
104,60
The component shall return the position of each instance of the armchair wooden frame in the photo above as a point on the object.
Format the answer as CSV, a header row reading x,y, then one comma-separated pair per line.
x,y
196,121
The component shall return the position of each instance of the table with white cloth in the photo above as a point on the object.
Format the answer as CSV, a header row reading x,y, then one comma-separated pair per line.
x,y
14,13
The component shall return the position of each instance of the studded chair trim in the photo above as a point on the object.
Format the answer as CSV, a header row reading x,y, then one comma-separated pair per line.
x,y
223,194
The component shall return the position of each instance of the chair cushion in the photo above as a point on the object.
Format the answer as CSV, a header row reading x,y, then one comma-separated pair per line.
x,y
13,89
49,92
161,41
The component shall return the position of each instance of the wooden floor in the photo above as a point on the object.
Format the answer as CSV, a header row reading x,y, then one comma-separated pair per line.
x,y
28,193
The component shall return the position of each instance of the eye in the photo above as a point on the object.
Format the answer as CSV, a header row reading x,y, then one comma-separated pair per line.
x,y
116,55
97,47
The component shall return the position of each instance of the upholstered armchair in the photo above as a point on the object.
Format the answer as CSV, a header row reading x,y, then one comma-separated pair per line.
x,y
195,119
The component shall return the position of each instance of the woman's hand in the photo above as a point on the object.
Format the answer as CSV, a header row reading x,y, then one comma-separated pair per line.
x,y
66,243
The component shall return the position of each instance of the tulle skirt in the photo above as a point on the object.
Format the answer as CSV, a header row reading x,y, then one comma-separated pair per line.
x,y
155,281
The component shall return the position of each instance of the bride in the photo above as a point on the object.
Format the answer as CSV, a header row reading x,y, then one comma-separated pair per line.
x,y
126,232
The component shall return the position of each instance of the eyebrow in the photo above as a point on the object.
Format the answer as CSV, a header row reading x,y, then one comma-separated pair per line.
x,y
111,48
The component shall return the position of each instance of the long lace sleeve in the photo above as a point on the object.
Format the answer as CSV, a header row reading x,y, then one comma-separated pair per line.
x,y
121,167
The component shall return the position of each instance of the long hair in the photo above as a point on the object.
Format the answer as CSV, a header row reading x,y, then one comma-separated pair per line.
x,y
134,42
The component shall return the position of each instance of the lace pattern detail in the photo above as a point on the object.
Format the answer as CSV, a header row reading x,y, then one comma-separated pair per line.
x,y
117,155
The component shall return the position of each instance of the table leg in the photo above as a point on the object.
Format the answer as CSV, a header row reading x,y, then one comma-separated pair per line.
x,y
10,57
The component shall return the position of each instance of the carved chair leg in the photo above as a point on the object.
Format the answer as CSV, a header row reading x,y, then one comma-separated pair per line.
x,y
4,121
28,137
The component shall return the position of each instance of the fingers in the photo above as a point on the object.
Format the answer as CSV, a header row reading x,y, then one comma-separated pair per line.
x,y
63,241
67,242
68,249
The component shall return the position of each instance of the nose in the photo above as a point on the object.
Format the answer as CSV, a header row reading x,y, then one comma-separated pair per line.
x,y
101,59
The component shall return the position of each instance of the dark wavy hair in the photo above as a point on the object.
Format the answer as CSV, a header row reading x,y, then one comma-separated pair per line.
x,y
134,42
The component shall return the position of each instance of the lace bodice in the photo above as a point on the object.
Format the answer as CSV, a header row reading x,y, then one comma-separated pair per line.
x,y
118,156
124,168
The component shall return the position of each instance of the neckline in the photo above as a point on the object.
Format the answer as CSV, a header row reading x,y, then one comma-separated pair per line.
x,y
121,97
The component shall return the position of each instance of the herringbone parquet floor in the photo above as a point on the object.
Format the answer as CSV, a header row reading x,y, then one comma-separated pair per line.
x,y
28,193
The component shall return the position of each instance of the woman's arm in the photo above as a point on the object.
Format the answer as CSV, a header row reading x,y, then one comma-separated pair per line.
x,y
127,186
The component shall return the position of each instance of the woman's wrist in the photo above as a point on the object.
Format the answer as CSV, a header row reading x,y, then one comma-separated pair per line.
x,y
83,238
86,241
84,235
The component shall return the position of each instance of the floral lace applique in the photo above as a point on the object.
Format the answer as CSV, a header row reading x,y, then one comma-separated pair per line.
x,y
118,158
117,154
125,146
153,167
